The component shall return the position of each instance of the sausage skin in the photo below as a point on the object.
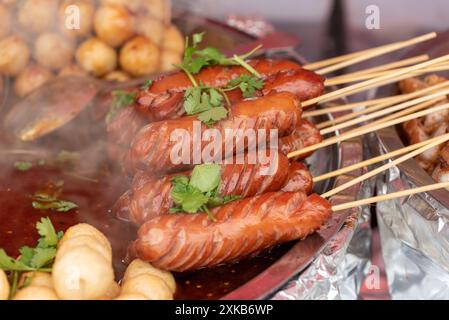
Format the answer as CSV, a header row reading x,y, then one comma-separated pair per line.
x,y
152,148
181,242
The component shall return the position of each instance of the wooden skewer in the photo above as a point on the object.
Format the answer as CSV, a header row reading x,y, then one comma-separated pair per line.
x,y
375,81
397,99
334,60
386,111
346,107
405,112
334,82
374,53
393,65
374,160
364,130
385,167
390,196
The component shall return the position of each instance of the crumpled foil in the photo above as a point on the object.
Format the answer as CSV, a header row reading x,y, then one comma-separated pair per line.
x,y
338,271
415,246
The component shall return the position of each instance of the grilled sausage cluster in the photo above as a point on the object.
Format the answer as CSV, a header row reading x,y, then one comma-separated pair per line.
x,y
272,208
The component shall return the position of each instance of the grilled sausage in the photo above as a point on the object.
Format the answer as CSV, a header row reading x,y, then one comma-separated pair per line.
x,y
150,196
305,134
167,103
152,148
183,242
302,83
162,100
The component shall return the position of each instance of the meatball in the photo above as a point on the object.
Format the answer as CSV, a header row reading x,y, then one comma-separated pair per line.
x,y
139,56
113,25
53,51
96,57
14,55
37,16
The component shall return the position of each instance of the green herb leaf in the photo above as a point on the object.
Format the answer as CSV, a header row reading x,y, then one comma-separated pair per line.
x,y
23,165
42,257
199,193
26,255
189,198
47,232
146,85
34,259
120,100
10,264
247,83
58,205
195,59
210,117
206,177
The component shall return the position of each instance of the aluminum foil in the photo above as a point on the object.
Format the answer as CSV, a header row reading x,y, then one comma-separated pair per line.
x,y
337,273
415,242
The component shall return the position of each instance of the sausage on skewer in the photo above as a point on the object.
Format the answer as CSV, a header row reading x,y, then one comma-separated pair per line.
x,y
128,121
182,242
150,196
152,147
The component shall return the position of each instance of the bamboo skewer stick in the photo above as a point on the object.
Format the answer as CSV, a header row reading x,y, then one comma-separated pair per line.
x,y
390,196
374,53
334,82
391,77
364,130
374,160
386,166
397,99
334,60
386,111
370,72
405,112
355,114
346,107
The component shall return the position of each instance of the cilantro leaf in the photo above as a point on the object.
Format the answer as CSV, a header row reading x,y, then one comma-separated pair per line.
x,y
216,98
58,205
197,38
200,192
42,257
247,83
189,198
26,255
10,264
206,177
47,231
147,84
34,259
23,165
210,117
120,100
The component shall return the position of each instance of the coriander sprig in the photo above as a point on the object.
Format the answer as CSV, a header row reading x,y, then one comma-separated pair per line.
x,y
199,193
40,258
208,102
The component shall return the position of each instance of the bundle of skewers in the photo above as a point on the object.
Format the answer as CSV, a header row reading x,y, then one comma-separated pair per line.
x,y
194,215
